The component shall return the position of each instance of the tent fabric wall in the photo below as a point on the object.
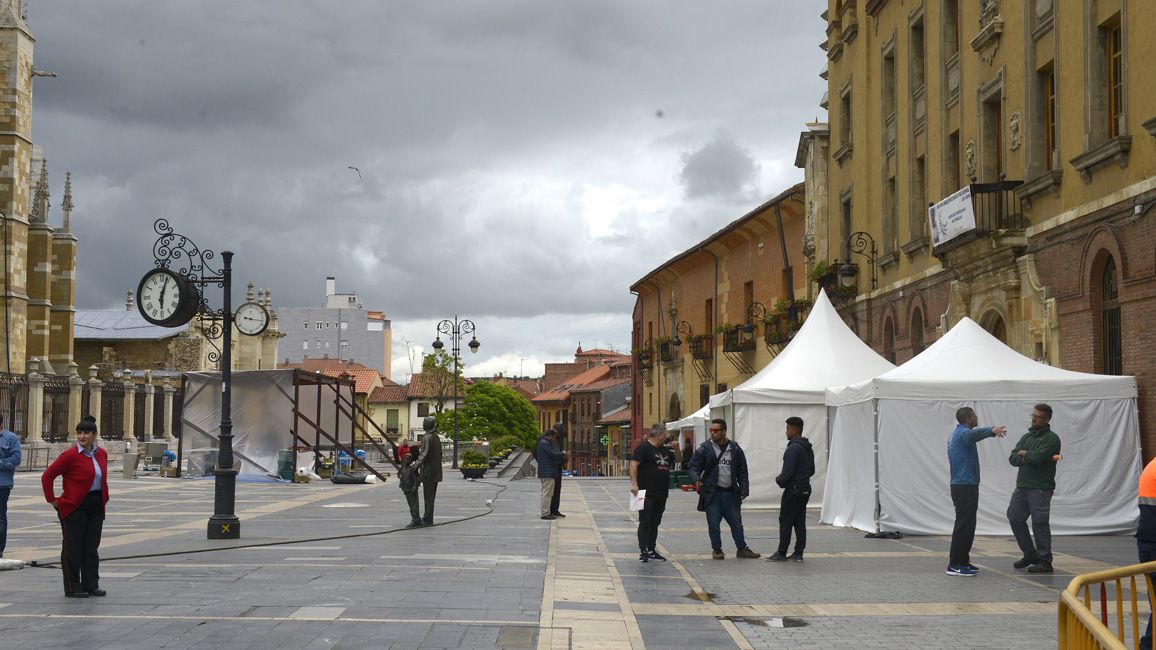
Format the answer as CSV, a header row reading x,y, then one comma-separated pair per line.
x,y
823,353
261,413
1095,417
1095,481
760,430
851,469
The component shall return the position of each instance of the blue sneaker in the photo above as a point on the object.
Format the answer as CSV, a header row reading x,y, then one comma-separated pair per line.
x,y
972,567
961,570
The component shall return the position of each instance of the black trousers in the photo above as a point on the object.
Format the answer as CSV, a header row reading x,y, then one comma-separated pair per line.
x,y
966,501
430,491
414,513
793,516
79,560
649,519
557,498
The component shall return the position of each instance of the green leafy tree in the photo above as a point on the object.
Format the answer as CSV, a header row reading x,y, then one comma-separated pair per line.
x,y
438,370
489,412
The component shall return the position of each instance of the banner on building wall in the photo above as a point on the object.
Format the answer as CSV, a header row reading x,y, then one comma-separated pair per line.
x,y
951,217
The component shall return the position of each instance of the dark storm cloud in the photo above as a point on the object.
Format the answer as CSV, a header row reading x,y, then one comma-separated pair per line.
x,y
512,163
719,168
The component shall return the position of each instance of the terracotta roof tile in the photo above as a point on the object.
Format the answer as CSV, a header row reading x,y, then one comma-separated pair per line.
x,y
390,393
601,384
617,416
364,379
423,385
561,392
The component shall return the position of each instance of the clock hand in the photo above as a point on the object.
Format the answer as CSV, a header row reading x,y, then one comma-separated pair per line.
x,y
164,286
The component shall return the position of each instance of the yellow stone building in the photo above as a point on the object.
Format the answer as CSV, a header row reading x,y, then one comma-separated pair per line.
x,y
1045,112
39,266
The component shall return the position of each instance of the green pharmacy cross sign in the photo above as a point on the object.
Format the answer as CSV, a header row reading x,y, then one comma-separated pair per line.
x,y
605,440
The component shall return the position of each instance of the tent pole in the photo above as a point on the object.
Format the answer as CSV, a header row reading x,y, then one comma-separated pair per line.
x,y
875,419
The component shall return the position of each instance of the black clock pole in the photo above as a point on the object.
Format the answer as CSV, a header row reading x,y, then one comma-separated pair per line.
x,y
224,523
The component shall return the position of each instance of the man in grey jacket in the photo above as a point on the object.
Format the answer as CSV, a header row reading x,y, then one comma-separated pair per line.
x,y
430,467
9,461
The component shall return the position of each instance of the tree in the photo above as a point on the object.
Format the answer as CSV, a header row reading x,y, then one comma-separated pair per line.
x,y
437,368
490,411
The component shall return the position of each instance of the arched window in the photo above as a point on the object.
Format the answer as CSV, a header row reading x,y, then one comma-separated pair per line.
x,y
889,340
1110,320
675,408
995,326
917,345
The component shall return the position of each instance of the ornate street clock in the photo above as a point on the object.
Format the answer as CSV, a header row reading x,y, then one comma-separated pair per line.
x,y
167,299
251,319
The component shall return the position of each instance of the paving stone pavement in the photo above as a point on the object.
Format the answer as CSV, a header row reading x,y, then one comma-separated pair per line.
x,y
355,578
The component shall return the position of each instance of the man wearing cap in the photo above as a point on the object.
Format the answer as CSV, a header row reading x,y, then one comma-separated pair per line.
x,y
650,471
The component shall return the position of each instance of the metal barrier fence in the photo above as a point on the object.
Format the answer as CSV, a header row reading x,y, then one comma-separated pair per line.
x,y
112,411
56,425
1079,628
14,401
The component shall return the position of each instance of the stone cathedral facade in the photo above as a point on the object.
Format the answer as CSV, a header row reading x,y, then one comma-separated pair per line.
x,y
38,269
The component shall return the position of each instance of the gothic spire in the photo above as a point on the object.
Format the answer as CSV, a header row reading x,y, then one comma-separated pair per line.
x,y
39,212
66,204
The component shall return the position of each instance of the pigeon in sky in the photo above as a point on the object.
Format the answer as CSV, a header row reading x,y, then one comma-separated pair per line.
x,y
356,170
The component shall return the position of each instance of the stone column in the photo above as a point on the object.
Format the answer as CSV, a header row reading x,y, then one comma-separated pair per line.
x,y
129,411
75,397
167,427
148,405
35,402
95,388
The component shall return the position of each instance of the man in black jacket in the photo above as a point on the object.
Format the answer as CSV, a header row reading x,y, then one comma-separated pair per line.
x,y
795,479
719,470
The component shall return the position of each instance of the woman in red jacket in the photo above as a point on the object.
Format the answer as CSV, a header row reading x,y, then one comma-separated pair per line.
x,y
84,472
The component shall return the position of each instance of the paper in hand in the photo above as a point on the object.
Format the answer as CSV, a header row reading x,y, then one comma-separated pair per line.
x,y
638,501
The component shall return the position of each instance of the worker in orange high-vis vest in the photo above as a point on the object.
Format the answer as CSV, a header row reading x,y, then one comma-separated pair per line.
x,y
1146,533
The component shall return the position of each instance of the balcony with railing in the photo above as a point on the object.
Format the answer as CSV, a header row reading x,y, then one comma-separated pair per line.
x,y
702,346
1000,225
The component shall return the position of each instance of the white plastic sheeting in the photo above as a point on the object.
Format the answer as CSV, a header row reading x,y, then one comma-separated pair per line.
x,y
261,408
824,352
889,440
696,422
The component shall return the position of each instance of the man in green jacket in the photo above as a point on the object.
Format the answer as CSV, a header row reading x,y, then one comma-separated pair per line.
x,y
1035,455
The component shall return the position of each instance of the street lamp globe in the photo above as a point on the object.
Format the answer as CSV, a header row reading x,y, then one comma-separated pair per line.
x,y
437,344
474,345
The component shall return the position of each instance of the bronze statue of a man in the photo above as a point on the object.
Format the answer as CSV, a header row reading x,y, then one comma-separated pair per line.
x,y
429,464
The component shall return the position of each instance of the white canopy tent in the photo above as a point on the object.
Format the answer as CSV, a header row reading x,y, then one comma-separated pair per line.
x,y
824,352
888,468
695,422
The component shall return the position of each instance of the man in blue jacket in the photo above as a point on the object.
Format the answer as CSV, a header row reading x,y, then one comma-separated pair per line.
x,y
9,461
549,460
964,459
719,470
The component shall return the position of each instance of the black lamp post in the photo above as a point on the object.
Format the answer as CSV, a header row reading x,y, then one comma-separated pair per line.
x,y
859,243
180,255
455,329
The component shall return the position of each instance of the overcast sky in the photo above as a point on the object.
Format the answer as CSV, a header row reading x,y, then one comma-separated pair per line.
x,y
519,163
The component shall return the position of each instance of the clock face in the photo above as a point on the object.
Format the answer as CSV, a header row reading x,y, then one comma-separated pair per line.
x,y
165,298
251,319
